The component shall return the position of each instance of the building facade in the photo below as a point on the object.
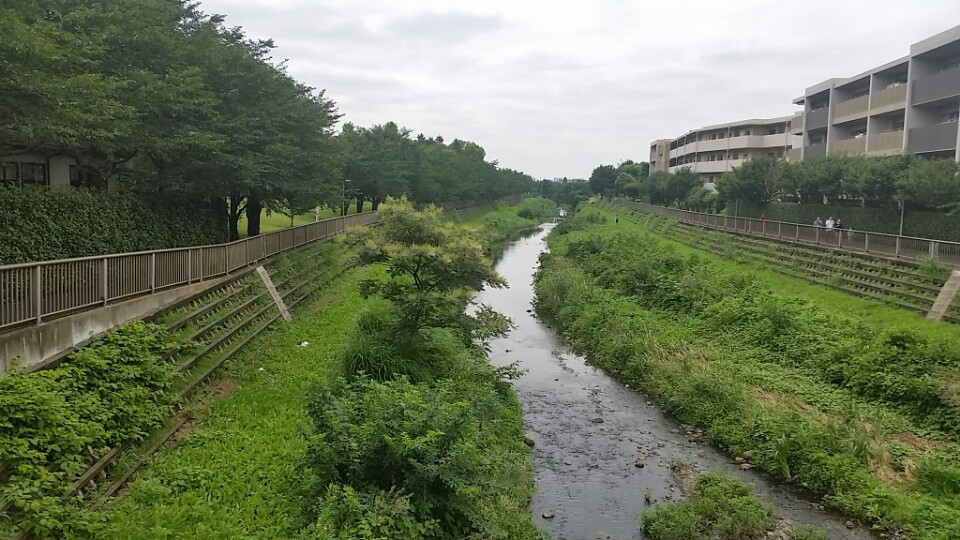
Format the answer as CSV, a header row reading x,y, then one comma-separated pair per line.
x,y
713,150
909,105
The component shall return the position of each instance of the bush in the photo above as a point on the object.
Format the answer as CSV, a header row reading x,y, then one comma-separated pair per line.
x,y
430,445
720,507
113,391
40,224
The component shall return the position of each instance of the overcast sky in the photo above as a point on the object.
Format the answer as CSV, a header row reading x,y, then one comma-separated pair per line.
x,y
556,88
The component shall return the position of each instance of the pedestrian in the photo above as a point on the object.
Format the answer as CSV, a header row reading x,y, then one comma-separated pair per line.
x,y
763,216
618,218
830,223
850,232
818,222
838,225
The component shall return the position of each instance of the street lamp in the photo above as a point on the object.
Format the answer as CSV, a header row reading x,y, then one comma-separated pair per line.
x,y
343,197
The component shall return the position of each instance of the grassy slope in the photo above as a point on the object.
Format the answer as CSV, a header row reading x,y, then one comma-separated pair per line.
x,y
276,221
868,309
234,474
765,389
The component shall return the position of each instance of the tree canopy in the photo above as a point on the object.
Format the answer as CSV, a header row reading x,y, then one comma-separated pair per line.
x,y
158,96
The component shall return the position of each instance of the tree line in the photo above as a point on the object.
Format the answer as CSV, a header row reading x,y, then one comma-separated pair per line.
x,y
876,182
163,97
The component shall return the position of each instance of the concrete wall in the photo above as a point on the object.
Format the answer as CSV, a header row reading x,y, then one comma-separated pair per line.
x,y
36,346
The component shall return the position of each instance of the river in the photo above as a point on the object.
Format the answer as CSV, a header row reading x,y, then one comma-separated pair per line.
x,y
589,430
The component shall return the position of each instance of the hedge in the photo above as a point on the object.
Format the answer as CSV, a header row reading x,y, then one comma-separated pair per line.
x,y
923,224
40,224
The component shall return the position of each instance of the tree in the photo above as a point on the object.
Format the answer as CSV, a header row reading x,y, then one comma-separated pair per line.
x,y
754,182
930,183
603,179
434,266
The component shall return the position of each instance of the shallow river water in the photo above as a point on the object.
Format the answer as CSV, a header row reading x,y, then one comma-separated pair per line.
x,y
589,430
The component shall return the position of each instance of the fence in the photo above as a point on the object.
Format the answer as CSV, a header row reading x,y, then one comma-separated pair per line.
x,y
33,292
880,244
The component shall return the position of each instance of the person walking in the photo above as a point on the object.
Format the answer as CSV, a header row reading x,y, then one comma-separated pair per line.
x,y
818,222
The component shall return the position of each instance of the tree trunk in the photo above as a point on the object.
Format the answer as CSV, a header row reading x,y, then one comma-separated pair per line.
x,y
359,203
254,209
234,217
375,203
344,207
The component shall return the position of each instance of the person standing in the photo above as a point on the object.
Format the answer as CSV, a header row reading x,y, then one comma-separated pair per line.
x,y
763,216
830,223
838,225
818,222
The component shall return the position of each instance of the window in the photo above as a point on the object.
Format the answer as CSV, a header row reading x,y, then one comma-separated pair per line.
x,y
23,174
33,174
9,173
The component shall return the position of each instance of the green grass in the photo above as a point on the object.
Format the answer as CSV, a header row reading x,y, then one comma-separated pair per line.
x,y
276,221
807,379
235,475
870,310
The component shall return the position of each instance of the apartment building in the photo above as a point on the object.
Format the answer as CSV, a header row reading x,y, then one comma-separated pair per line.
x,y
909,105
713,150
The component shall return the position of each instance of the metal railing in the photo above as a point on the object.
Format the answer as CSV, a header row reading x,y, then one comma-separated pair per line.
x,y
874,243
34,292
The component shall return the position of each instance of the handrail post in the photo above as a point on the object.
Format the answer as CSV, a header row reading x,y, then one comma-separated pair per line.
x,y
816,237
37,292
897,252
200,263
866,242
153,272
104,282
189,265
263,247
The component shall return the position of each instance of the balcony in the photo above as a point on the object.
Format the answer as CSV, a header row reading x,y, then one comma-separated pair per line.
x,y
890,142
817,150
889,99
817,119
796,124
709,145
718,166
945,84
936,138
849,146
794,155
844,111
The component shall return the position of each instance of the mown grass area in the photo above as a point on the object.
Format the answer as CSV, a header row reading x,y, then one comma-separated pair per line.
x,y
274,221
847,402
274,457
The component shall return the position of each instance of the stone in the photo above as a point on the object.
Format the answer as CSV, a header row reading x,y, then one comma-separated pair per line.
x,y
548,515
849,524
745,466
701,453
597,420
639,463
748,454
507,350
528,441
739,459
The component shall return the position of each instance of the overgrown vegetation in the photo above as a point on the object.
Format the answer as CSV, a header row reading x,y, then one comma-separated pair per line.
x,y
719,507
112,392
419,437
819,397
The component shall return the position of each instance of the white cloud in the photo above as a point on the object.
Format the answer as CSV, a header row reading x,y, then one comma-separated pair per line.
x,y
556,88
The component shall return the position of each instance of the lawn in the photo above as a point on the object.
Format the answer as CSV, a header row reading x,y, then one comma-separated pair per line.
x,y
275,221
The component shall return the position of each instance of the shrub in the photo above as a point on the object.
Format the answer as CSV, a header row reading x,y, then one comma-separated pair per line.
x,y
720,507
113,391
428,444
40,224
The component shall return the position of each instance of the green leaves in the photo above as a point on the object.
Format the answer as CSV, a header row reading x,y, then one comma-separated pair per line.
x,y
111,392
